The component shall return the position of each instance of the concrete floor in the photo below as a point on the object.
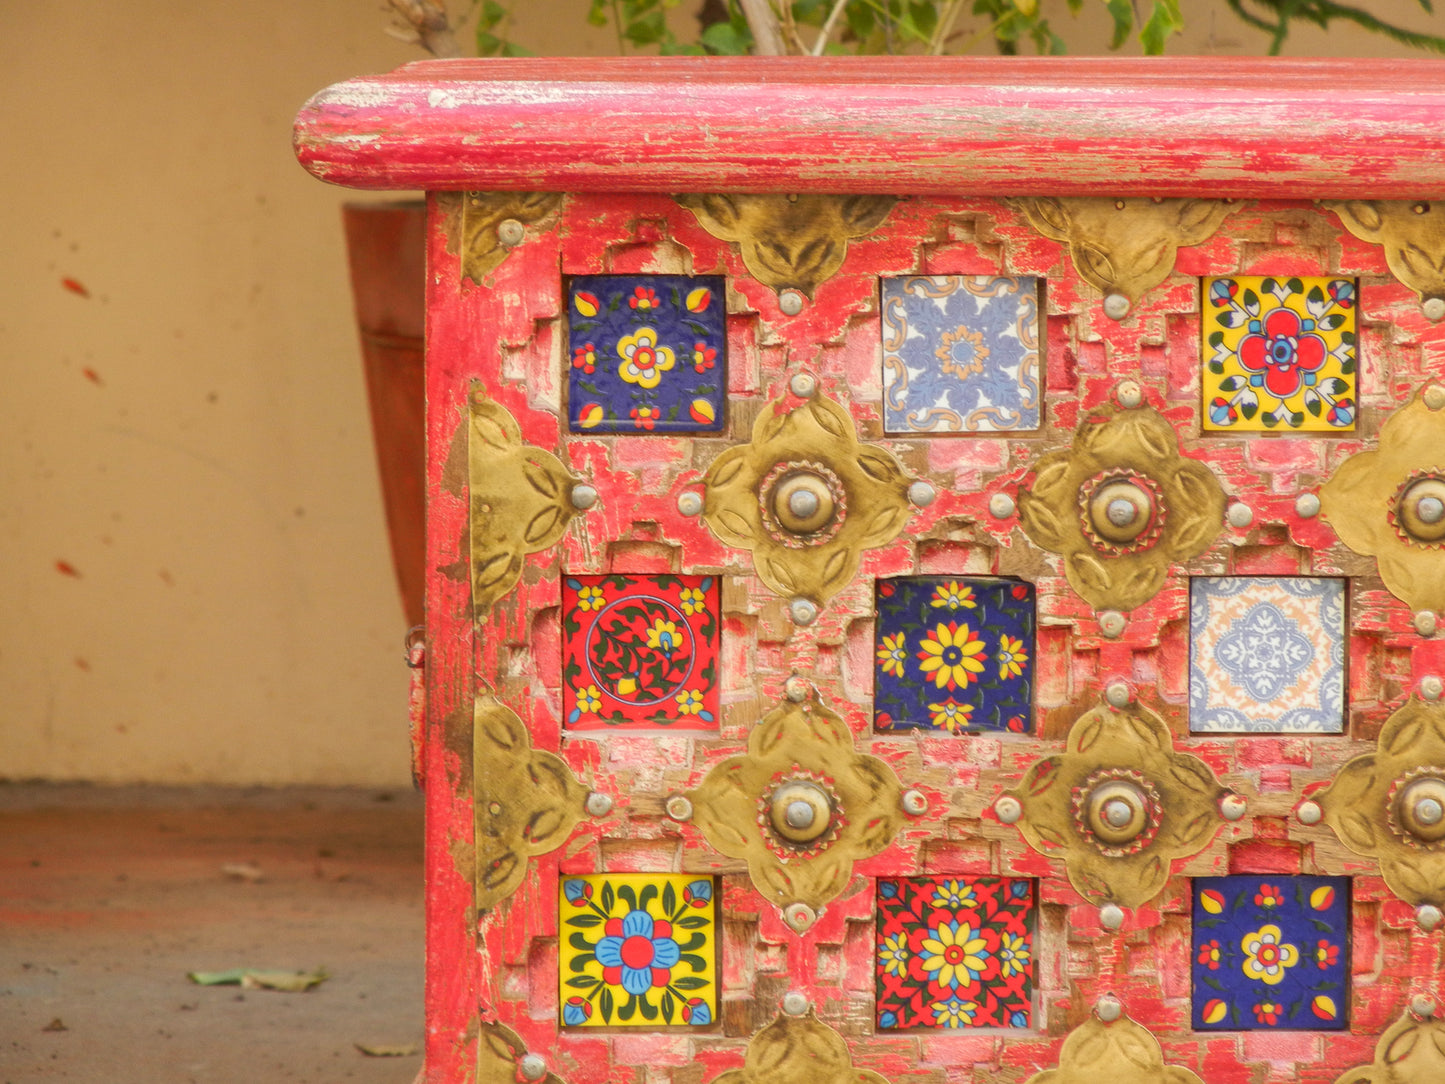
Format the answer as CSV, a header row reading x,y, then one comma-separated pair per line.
x,y
109,896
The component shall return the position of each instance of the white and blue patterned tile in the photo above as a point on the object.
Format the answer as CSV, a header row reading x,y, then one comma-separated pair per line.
x,y
1266,655
960,354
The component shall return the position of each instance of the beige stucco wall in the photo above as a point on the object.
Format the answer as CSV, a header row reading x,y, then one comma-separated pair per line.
x,y
191,439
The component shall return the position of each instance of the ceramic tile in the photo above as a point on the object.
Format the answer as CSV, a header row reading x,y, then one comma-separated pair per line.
x,y
640,652
960,354
638,949
954,653
648,353
1267,654
1279,354
1271,952
955,952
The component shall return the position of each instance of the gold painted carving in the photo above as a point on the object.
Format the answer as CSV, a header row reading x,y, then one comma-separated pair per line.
x,y
1119,1052
1380,502
790,242
806,498
1121,505
521,499
1124,246
1411,1051
798,1050
473,224
525,801
800,807
1389,805
500,1051
1119,805
1412,233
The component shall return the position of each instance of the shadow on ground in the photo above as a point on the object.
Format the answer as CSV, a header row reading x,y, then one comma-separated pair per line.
x,y
109,896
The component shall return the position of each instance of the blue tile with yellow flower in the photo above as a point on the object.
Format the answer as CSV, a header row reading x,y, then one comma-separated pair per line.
x,y
954,653
648,353
638,949
1271,952
640,652
955,952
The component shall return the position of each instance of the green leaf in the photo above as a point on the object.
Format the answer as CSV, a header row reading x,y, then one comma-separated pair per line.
x,y
585,921
583,982
1316,295
724,39
597,14
606,1003
689,982
1164,20
669,898
1122,12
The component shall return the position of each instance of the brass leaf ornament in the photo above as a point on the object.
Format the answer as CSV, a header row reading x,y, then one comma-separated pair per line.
x,y
790,242
798,1050
1412,233
1124,246
1389,805
1121,505
1389,504
806,498
1119,805
482,228
500,1054
1411,1051
1113,1052
800,807
521,499
525,801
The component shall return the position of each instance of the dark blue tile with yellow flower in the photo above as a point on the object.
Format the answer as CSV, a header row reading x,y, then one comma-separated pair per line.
x,y
640,652
1271,952
954,653
638,949
955,952
648,353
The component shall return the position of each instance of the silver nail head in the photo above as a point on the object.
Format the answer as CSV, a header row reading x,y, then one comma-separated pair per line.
x,y
921,494
689,503
679,808
1434,309
1310,813
1425,622
803,611
511,233
803,385
1129,394
1423,1006
1428,916
791,302
795,1003
799,916
1435,397
1111,624
1008,809
599,804
1307,506
1431,687
583,497
1117,694
533,1066
1111,916
795,689
1232,807
1001,506
913,802
1109,1008
1116,306
1240,514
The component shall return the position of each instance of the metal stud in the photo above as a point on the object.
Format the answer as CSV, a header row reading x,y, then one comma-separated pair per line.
x,y
1008,809
1232,807
533,1066
1129,394
599,804
1425,622
1423,1006
913,802
1116,306
1239,514
921,494
583,497
1435,396
1310,813
1307,506
1001,506
796,1003
511,233
689,503
1434,309
1109,1008
791,302
799,916
1118,694
803,611
679,808
1111,916
803,385
1428,916
1111,624
796,689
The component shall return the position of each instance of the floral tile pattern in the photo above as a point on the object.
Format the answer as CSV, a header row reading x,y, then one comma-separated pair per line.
x,y
638,949
955,952
648,353
640,652
1267,654
1279,354
960,354
1271,952
954,654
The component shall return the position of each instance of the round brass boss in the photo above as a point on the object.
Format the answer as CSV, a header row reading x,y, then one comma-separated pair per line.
x,y
1421,809
1120,511
1421,510
802,502
1117,811
800,811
